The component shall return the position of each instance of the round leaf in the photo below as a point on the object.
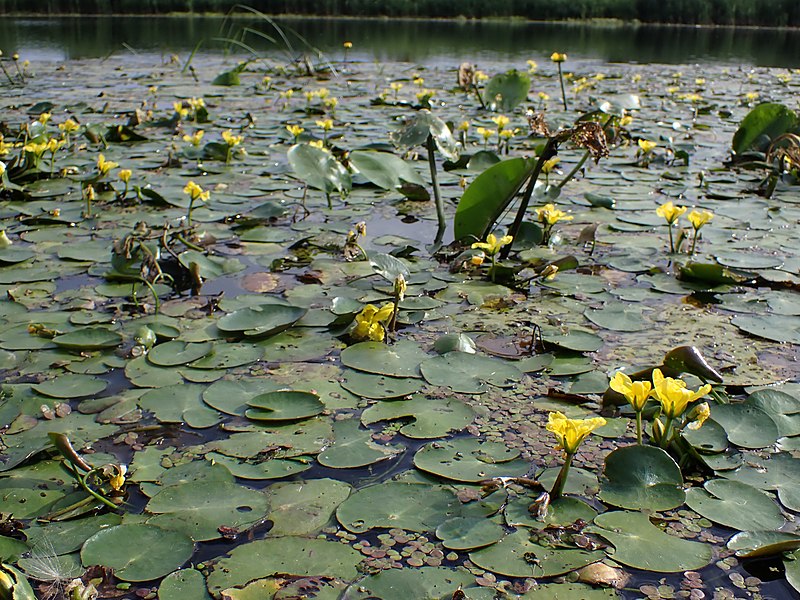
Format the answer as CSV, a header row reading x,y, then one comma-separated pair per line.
x,y
641,477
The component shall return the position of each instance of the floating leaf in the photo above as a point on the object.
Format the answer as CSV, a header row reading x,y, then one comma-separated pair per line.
x,y
88,339
427,582
508,90
641,545
380,387
261,320
761,126
319,169
399,360
174,353
469,373
641,477
736,505
184,584
353,447
469,533
71,386
384,169
470,460
756,544
304,507
284,405
137,552
432,418
746,425
388,266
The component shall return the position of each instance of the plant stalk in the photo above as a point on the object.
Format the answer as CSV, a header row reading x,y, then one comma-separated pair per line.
x,y
561,480
437,195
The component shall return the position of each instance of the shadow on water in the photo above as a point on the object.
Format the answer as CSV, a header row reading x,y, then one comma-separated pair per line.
x,y
410,40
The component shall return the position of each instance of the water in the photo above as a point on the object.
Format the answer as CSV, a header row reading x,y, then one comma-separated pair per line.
x,y
406,40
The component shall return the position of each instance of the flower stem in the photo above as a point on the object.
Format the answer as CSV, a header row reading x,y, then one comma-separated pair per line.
x,y
639,427
563,91
437,196
561,480
667,435
694,242
671,243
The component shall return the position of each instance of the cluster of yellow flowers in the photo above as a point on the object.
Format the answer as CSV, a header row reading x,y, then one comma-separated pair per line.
x,y
672,213
371,322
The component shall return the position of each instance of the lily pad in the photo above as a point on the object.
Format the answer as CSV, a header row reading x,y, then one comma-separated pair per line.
x,y
562,512
746,425
431,418
470,460
778,328
736,505
304,507
469,533
137,552
199,510
231,396
184,584
174,353
286,556
71,386
755,544
88,339
617,317
469,373
284,405
400,360
427,582
180,403
261,320
379,387
641,545
353,447
517,556
641,477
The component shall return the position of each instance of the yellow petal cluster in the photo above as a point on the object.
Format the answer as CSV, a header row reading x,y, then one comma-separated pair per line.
x,y
325,124
196,192
673,395
294,130
125,175
104,166
670,212
558,57
68,126
647,146
551,215
501,121
698,218
118,479
493,244
635,392
231,139
571,432
371,322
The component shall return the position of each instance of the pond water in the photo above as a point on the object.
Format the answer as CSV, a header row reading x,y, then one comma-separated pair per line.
x,y
263,439
411,40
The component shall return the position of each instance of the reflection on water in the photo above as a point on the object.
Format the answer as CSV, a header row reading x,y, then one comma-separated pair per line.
x,y
407,40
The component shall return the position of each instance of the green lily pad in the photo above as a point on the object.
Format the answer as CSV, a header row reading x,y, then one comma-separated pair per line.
x,y
184,584
746,425
755,544
574,339
431,418
284,405
400,360
68,536
286,556
379,387
617,317
304,507
791,565
174,353
781,407
271,468
231,396
470,460
71,386
229,356
261,320
353,447
137,552
641,545
427,582
517,556
180,403
409,506
736,505
469,533
562,512
469,373
88,339
710,438
779,472
579,481
641,477
569,591
778,328
199,509
286,440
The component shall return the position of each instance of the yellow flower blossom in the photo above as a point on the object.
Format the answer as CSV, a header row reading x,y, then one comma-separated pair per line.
x,y
195,138
550,215
543,96
501,121
118,479
550,164
195,192
507,134
493,244
231,139
196,103
44,118
317,144
647,146
463,126
54,145
396,86
558,57
104,166
698,218
331,103
2,168
635,392
69,126
294,130
325,124
485,133
532,66
480,76
670,212
571,432
673,395
625,121
347,45
125,175
36,148
180,110
700,414
419,81
371,322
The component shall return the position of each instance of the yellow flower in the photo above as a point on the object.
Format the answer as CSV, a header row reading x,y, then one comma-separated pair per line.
x,y
196,103
54,145
477,260
647,146
325,124
180,110
424,95
698,218
230,139
700,413
625,121
551,215
371,322
550,164
635,392
317,144
501,121
195,138
331,103
532,66
68,126
419,81
347,45
35,148
571,432
400,287
104,166
507,134
294,130
2,168
361,228
463,126
481,76
286,94
125,175
670,212
558,57
673,395
196,192
396,86
44,118
118,479
309,95
485,133
543,97
493,244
